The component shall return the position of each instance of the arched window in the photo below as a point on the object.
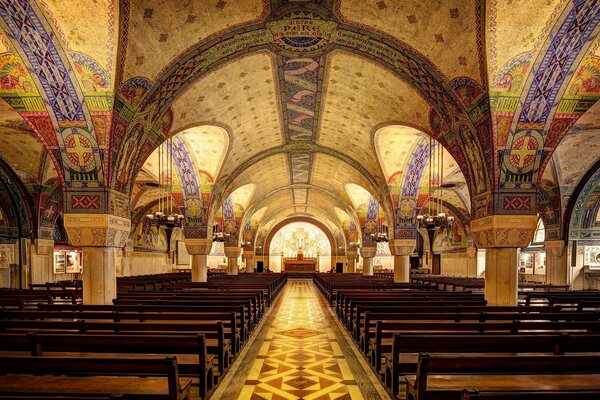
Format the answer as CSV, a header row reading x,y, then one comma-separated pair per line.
x,y
540,234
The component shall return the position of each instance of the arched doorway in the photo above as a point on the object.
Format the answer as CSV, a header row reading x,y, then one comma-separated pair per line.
x,y
285,239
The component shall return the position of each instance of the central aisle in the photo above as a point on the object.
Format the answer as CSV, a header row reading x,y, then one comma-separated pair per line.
x,y
300,353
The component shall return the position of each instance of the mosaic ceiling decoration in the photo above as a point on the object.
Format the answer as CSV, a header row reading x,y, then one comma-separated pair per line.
x,y
310,99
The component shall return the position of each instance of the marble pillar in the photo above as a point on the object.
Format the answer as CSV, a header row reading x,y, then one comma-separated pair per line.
x,y
401,249
472,262
367,254
199,249
99,275
351,261
501,236
248,256
100,236
232,254
501,276
557,266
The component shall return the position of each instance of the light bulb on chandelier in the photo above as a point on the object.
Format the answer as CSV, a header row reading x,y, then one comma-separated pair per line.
x,y
435,218
165,215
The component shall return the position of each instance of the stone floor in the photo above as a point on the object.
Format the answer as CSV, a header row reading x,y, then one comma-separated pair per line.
x,y
300,352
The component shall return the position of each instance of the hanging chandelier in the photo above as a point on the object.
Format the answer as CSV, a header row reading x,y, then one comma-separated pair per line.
x,y
219,234
381,235
167,214
435,218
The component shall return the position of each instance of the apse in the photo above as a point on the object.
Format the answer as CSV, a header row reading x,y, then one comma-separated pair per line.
x,y
300,237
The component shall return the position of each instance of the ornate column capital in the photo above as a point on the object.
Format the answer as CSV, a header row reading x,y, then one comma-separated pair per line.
x,y
402,247
44,247
247,254
368,252
232,252
97,230
200,247
351,254
472,252
495,231
555,248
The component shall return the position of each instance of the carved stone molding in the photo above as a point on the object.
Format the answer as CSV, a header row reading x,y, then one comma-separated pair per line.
x,y
402,247
97,230
44,247
198,246
232,252
368,252
555,248
471,252
503,230
351,254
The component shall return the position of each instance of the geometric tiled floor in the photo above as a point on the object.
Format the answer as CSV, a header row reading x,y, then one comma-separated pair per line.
x,y
300,357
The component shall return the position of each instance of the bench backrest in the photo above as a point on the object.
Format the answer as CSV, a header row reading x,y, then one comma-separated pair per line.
x,y
514,365
94,366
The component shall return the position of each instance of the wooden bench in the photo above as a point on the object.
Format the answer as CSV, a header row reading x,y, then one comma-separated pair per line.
x,y
230,320
403,356
357,323
215,339
148,379
366,333
245,319
473,394
383,341
17,396
193,356
445,376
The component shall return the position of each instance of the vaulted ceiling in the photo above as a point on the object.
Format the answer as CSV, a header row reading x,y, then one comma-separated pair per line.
x,y
304,131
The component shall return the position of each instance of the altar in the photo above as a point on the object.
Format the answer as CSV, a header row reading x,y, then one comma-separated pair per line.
x,y
300,264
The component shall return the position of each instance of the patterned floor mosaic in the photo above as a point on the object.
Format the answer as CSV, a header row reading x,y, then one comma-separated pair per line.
x,y
300,357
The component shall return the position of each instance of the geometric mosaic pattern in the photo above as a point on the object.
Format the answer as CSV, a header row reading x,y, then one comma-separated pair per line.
x,y
300,357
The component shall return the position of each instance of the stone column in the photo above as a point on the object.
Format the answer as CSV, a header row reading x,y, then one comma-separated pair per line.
x,y
351,256
100,236
367,254
99,275
232,254
41,261
557,267
128,259
472,262
199,250
248,256
401,249
501,276
501,236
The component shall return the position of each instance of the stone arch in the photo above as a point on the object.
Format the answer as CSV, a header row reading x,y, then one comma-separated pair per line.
x,y
287,221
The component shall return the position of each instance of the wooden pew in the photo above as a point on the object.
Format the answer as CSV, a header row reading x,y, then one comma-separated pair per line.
x,y
366,333
16,396
348,317
193,357
445,376
214,333
405,349
244,319
136,378
473,394
229,320
383,341
252,300
357,323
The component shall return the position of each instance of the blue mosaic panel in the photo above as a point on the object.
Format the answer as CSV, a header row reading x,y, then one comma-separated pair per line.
x,y
185,168
577,29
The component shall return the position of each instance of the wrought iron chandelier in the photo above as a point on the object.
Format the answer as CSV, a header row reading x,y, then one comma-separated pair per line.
x,y
165,215
219,234
435,218
381,235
